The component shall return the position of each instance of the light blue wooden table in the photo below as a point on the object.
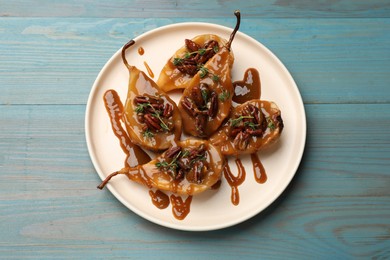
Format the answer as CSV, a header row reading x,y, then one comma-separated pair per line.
x,y
338,204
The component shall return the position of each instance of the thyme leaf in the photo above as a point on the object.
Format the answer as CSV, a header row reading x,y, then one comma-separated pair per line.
x,y
251,125
224,95
215,78
148,134
203,72
177,61
271,124
200,51
141,107
236,121
205,95
164,165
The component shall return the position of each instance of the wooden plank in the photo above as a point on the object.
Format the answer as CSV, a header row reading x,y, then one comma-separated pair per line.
x,y
55,61
338,205
181,8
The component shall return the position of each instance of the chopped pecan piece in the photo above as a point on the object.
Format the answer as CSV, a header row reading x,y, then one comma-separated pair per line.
x,y
200,124
196,95
140,100
213,109
241,141
191,45
152,122
189,106
168,109
173,151
254,132
208,54
198,171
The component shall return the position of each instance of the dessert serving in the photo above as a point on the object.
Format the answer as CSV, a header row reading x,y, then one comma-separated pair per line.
x,y
188,147
153,120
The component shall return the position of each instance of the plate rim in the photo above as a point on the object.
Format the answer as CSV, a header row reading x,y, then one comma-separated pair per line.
x,y
171,225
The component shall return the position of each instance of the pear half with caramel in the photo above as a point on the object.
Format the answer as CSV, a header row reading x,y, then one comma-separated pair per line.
x,y
151,117
252,126
188,61
187,168
207,100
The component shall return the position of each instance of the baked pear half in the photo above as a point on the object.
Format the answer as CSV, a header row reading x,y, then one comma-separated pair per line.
x,y
151,117
187,61
252,126
187,168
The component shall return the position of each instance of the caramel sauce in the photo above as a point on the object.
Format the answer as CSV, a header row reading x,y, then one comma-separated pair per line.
x,y
180,208
249,88
159,199
150,72
141,51
114,107
235,181
258,169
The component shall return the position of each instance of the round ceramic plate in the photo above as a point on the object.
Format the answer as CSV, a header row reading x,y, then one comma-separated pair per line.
x,y
212,209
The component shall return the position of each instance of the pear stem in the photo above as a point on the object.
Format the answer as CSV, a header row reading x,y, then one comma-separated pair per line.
x,y
124,48
108,178
238,15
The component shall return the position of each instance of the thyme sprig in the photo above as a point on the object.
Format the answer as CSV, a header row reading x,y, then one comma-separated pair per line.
x,y
187,55
141,107
205,71
251,125
224,95
236,121
164,165
271,124
148,134
201,51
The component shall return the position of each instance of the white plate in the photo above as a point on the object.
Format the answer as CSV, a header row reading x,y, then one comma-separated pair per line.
x,y
213,209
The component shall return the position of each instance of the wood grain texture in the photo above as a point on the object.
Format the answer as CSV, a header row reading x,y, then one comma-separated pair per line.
x,y
338,205
195,8
332,61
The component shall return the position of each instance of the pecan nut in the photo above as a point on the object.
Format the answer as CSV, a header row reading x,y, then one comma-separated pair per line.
x,y
213,109
209,53
140,100
198,174
254,132
189,106
173,151
191,45
234,132
200,124
152,122
168,109
188,69
241,141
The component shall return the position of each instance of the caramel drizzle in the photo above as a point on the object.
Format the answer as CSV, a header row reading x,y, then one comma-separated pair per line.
x,y
180,208
114,109
159,199
141,51
235,181
258,169
150,72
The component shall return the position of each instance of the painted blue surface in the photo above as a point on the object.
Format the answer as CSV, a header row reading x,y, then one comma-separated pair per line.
x,y
337,206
